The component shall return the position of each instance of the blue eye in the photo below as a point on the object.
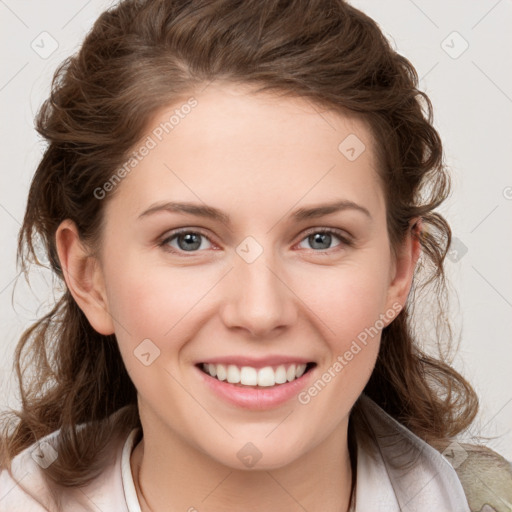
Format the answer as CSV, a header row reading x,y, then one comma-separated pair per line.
x,y
188,241
320,239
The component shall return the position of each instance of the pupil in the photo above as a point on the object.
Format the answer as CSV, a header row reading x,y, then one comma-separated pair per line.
x,y
190,243
318,238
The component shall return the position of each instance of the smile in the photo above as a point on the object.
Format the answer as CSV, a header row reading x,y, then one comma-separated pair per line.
x,y
267,376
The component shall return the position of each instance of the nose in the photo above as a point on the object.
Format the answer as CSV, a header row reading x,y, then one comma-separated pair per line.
x,y
259,299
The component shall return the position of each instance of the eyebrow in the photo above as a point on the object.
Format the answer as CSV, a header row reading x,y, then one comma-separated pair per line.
x,y
213,213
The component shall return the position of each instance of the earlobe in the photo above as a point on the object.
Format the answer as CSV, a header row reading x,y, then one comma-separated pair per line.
x,y
84,277
405,265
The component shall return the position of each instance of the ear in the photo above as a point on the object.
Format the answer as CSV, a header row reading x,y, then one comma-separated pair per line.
x,y
84,277
404,265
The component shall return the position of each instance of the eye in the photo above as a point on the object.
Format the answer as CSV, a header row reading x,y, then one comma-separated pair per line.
x,y
186,240
321,238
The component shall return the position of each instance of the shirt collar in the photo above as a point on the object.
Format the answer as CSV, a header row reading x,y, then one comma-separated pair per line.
x,y
401,472
397,472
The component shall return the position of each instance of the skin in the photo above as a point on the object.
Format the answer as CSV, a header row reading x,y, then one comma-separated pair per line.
x,y
258,158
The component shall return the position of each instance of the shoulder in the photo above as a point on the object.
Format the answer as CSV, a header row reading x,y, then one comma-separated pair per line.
x,y
26,488
485,475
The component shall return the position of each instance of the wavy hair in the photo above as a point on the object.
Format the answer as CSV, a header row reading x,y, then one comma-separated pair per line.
x,y
143,54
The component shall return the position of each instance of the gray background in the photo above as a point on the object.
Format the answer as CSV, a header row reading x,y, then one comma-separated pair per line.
x,y
471,90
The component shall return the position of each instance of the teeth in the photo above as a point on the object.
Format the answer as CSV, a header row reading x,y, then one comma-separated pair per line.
x,y
266,376
213,370
290,373
280,375
249,376
221,371
233,374
299,371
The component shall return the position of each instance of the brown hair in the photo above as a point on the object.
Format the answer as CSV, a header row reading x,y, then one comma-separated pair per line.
x,y
143,54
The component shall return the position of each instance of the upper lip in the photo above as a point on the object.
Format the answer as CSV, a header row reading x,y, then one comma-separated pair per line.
x,y
256,362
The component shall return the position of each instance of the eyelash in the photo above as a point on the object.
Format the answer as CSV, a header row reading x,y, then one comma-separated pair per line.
x,y
330,231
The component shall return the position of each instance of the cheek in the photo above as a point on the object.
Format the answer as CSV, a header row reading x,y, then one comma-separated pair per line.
x,y
154,309
346,299
349,307
148,300
159,303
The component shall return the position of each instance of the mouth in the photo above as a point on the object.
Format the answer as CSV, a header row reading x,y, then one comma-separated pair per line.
x,y
251,377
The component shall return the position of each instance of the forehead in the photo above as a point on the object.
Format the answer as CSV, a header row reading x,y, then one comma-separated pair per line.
x,y
230,146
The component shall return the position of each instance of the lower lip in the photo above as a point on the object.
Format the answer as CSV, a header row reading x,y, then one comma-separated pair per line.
x,y
256,398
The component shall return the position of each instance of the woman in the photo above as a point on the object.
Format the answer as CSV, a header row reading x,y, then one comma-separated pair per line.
x,y
239,198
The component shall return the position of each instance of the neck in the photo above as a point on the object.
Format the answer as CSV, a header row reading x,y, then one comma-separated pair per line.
x,y
173,476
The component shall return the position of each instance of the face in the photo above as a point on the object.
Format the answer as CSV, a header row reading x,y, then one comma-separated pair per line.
x,y
263,283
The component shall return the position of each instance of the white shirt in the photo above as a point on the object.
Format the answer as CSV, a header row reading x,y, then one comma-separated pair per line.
x,y
429,483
